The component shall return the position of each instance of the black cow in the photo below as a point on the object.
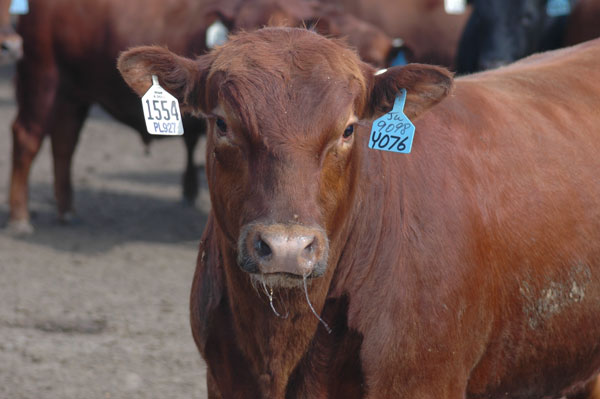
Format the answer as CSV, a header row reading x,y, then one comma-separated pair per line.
x,y
502,31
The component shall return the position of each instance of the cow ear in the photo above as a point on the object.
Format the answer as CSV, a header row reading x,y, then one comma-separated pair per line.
x,y
178,75
426,85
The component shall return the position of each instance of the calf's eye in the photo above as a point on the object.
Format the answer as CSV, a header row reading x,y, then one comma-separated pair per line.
x,y
348,132
221,125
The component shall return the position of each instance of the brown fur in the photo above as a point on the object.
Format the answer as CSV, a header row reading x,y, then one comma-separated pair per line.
x,y
368,39
466,269
430,34
583,23
71,49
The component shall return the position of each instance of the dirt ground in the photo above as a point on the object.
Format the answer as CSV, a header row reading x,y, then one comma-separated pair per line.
x,y
99,308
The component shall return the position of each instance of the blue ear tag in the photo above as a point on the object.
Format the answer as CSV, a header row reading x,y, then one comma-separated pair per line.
x,y
393,131
399,59
558,8
19,7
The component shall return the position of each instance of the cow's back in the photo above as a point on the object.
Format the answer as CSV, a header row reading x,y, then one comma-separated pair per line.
x,y
515,155
81,41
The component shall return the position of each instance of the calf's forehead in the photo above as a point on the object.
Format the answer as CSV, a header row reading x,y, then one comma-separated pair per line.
x,y
293,74
281,48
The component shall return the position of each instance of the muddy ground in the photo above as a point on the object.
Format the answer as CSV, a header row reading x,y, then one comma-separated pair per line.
x,y
99,309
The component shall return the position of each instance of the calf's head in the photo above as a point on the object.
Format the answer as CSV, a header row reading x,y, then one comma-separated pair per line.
x,y
282,159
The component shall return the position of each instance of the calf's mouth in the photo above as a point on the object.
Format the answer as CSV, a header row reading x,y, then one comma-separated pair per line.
x,y
282,255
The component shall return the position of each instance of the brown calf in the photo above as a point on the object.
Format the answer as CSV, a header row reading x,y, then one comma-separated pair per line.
x,y
469,268
70,55
11,44
429,33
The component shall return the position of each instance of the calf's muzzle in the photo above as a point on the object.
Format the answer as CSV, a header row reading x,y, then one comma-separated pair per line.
x,y
290,249
11,48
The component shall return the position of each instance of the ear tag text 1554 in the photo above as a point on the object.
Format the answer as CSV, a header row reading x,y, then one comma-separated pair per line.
x,y
558,8
161,111
393,131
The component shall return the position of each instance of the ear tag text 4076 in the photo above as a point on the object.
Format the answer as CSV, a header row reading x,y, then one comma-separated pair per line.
x,y
161,111
393,131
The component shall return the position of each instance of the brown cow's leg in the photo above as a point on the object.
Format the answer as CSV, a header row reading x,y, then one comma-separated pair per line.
x,y
213,391
69,115
26,144
36,90
591,390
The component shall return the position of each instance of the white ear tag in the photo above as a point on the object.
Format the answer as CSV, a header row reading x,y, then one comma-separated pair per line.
x,y
455,6
161,111
216,34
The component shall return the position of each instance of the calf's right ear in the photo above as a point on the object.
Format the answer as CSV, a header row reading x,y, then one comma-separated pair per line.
x,y
178,75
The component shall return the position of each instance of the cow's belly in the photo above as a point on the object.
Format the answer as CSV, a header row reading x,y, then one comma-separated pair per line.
x,y
547,342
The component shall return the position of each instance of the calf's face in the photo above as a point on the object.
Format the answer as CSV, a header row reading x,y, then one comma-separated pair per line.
x,y
283,160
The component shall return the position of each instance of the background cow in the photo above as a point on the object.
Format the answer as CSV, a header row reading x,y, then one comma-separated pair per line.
x,y
429,33
502,31
70,53
373,45
466,269
11,48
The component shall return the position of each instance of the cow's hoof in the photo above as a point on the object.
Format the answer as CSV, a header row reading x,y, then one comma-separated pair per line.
x,y
187,202
19,227
69,218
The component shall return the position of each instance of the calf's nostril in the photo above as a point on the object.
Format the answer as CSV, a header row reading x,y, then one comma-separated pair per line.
x,y
310,248
263,249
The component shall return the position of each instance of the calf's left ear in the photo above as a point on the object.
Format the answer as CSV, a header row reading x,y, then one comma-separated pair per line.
x,y
178,75
426,85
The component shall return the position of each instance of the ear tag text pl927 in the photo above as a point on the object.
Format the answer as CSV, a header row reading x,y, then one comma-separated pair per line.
x,y
161,111
393,131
